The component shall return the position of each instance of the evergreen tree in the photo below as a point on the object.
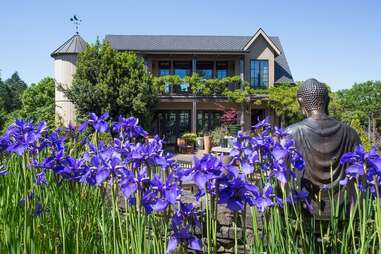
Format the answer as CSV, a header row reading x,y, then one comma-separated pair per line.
x,y
112,81
12,92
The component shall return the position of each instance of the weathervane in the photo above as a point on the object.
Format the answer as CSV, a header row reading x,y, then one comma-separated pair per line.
x,y
76,21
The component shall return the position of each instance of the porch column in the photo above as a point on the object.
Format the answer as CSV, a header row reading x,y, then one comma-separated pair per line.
x,y
194,67
194,116
242,118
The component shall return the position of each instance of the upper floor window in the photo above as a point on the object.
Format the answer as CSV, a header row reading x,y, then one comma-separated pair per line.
x,y
205,69
183,69
164,68
259,73
221,70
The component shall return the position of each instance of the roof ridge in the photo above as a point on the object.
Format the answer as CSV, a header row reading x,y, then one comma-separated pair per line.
x,y
179,35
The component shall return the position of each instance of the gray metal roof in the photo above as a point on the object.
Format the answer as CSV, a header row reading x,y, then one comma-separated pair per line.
x,y
74,45
282,69
197,43
177,42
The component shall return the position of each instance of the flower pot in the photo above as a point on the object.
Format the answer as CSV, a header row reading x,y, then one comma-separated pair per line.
x,y
207,144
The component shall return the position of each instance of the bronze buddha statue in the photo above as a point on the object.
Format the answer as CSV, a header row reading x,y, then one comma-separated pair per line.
x,y
322,141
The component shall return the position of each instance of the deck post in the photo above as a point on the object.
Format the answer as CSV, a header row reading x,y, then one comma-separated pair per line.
x,y
194,116
242,118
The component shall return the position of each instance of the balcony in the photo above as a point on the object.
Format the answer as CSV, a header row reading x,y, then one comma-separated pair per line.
x,y
195,85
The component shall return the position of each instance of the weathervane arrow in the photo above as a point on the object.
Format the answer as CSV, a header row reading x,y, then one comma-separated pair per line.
x,y
77,22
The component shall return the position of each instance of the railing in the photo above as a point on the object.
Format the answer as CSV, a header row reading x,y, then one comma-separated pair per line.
x,y
195,85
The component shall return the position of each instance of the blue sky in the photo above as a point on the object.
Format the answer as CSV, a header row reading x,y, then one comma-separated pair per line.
x,y
337,42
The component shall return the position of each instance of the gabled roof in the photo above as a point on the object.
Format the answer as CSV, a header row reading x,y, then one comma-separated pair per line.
x,y
282,69
74,45
200,43
260,32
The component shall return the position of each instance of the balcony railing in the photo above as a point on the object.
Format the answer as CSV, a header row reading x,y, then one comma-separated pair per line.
x,y
195,85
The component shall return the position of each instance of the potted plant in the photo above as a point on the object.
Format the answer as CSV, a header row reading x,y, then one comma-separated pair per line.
x,y
190,141
219,136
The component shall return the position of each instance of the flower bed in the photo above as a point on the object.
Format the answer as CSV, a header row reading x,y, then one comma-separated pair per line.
x,y
106,188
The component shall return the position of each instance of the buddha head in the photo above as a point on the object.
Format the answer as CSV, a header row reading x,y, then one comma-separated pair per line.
x,y
313,98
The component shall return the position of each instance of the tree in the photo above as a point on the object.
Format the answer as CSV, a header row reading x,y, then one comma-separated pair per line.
x,y
13,90
282,99
112,81
355,124
362,101
38,102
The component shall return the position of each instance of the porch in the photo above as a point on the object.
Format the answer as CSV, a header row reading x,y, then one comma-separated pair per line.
x,y
177,115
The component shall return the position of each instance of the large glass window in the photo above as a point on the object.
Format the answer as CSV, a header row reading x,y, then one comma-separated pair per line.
x,y
205,69
221,70
207,120
172,124
183,69
259,73
165,69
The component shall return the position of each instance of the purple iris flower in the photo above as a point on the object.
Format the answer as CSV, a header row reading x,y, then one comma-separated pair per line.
x,y
366,166
183,236
184,219
41,178
262,124
205,172
23,135
128,127
129,184
236,192
99,123
280,132
162,195
265,201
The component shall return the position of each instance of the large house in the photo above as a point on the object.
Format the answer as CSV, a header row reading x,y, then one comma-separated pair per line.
x,y
258,59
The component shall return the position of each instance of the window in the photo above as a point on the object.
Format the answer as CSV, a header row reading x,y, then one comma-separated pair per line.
x,y
207,120
173,123
165,69
205,69
183,69
259,73
221,70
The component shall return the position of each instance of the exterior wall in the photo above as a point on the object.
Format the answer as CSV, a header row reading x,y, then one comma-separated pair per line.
x,y
64,69
260,50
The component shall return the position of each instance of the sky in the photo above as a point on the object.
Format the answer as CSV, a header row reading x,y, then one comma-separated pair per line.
x,y
337,42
